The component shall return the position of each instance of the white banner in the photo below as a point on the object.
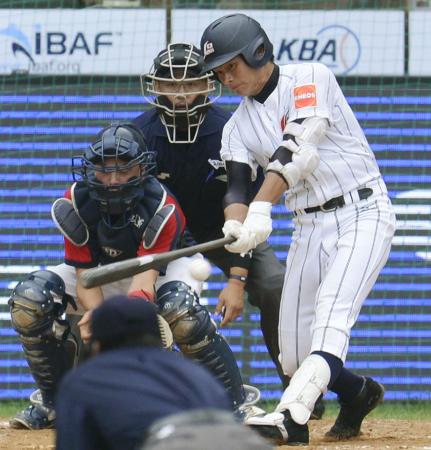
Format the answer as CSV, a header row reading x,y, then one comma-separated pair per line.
x,y
88,41
419,43
349,42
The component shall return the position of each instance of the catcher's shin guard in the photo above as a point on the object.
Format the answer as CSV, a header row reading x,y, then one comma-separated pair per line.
x,y
49,359
218,358
196,335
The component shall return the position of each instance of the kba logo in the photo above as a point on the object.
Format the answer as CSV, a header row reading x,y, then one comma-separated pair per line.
x,y
336,46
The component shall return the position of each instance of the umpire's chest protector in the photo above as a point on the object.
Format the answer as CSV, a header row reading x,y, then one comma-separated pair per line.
x,y
109,244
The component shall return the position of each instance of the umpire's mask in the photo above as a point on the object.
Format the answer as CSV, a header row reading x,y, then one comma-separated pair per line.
x,y
176,87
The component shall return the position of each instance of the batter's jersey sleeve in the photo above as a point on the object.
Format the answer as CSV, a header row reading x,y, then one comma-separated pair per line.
x,y
233,147
313,93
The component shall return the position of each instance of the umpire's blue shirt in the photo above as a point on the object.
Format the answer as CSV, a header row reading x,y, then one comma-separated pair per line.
x,y
194,173
109,401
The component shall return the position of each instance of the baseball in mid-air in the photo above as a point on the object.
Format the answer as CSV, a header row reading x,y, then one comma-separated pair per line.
x,y
200,269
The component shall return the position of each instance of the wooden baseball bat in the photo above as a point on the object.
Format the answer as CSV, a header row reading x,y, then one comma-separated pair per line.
x,y
129,267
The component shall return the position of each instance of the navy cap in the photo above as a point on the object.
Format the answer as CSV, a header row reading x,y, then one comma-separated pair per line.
x,y
122,316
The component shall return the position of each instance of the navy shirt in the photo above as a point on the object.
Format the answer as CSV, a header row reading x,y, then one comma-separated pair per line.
x,y
109,401
194,173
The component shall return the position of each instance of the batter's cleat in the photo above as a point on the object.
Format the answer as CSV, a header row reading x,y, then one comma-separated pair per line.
x,y
280,429
351,415
34,418
319,409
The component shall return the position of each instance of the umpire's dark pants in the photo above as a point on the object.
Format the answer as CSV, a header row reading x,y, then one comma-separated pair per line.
x,y
264,286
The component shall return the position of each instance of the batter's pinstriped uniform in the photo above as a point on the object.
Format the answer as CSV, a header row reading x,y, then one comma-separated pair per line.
x,y
335,256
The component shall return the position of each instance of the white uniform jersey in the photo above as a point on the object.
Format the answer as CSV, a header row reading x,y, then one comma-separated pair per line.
x,y
255,131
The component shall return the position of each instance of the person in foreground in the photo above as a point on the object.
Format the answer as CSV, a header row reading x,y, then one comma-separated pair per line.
x,y
295,122
203,429
115,210
109,401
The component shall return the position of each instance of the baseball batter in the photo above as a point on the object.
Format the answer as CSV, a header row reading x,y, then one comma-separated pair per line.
x,y
295,122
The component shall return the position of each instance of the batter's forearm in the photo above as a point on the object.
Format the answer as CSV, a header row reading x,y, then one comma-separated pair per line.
x,y
236,211
272,188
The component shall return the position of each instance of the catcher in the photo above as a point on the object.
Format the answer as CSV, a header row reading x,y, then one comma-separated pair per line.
x,y
115,210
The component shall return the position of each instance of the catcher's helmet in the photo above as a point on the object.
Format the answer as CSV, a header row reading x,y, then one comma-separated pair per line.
x,y
233,35
124,144
177,86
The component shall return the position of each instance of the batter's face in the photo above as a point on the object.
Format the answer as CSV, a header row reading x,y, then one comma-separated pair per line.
x,y
242,79
116,177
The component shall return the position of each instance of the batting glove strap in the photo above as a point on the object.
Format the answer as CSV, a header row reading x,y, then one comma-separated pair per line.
x,y
262,208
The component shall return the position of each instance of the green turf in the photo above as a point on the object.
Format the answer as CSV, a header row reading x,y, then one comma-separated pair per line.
x,y
9,407
388,410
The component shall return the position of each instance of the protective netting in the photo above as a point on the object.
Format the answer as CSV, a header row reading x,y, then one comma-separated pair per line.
x,y
68,72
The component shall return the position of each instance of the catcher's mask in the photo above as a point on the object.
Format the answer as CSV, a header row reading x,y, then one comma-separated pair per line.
x,y
114,168
179,91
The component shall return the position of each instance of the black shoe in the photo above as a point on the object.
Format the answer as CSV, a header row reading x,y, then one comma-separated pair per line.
x,y
280,428
351,415
319,409
34,418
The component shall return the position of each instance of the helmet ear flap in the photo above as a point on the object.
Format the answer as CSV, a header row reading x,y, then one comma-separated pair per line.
x,y
258,53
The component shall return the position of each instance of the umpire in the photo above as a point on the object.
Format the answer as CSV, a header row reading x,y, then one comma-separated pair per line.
x,y
109,401
185,130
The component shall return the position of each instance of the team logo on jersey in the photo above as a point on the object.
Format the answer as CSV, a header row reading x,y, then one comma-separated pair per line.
x,y
112,252
137,220
208,48
305,96
216,163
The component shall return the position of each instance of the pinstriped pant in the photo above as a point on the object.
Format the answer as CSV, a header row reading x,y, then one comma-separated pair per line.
x,y
333,263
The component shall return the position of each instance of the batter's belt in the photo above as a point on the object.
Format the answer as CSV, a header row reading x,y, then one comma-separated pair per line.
x,y
336,202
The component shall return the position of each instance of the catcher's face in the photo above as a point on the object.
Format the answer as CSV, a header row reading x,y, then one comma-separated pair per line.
x,y
111,173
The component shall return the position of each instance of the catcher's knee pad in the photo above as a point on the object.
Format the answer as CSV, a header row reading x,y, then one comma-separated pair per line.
x,y
37,302
308,383
37,305
190,322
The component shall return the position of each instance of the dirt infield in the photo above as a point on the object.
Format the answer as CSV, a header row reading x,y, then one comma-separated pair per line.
x,y
377,434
